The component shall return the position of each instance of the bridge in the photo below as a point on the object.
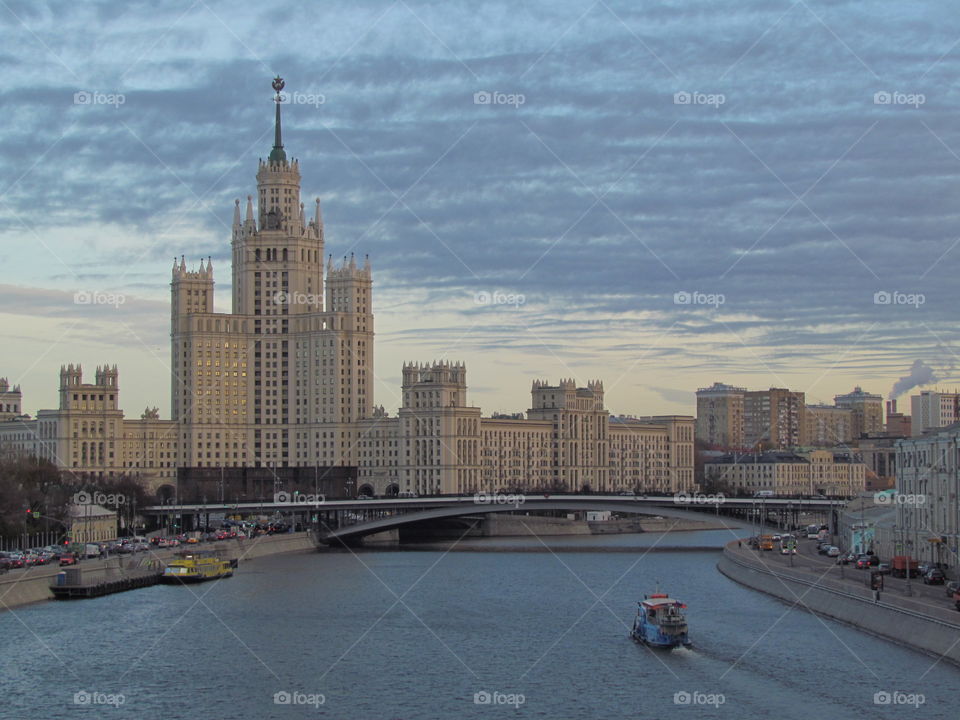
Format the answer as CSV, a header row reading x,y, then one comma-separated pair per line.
x,y
345,520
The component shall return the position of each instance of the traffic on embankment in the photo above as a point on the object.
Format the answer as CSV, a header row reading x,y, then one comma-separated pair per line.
x,y
901,610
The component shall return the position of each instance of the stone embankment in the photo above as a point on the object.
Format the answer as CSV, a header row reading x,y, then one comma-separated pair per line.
x,y
23,587
911,621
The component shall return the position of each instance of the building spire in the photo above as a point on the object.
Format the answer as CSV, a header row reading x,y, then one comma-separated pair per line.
x,y
277,155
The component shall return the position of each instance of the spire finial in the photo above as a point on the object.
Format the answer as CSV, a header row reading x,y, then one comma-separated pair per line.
x,y
277,155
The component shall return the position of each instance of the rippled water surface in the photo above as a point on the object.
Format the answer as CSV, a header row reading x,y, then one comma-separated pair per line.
x,y
418,634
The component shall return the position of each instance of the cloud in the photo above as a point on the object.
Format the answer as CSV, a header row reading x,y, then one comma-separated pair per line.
x,y
598,198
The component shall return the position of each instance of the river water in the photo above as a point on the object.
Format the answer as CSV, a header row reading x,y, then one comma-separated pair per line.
x,y
436,635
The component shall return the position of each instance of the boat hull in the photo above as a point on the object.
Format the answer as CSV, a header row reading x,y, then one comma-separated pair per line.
x,y
188,579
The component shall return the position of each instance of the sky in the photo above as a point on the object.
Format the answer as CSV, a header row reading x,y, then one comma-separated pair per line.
x,y
660,196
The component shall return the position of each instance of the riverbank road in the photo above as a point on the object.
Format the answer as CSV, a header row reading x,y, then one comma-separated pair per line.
x,y
807,564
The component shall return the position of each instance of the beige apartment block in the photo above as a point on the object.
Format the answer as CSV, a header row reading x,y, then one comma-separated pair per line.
x,y
787,473
828,425
720,416
867,409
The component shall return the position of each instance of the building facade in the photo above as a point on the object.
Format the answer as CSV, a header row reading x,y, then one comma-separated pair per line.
x,y
91,524
932,410
285,380
88,435
828,425
818,472
774,418
867,410
720,416
928,494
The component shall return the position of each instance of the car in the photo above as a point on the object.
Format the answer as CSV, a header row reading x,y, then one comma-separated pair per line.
x,y
833,551
863,562
952,587
630,493
847,559
884,568
933,576
68,559
823,547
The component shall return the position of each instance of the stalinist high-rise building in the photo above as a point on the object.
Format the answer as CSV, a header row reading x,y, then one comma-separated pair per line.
x,y
283,378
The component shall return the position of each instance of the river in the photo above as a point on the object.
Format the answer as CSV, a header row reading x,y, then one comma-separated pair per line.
x,y
435,635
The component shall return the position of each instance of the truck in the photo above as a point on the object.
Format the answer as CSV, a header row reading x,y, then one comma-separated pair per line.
x,y
902,564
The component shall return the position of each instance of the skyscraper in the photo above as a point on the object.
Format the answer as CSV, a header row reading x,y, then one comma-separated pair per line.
x,y
282,379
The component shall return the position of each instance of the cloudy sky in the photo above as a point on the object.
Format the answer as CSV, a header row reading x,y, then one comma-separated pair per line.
x,y
657,195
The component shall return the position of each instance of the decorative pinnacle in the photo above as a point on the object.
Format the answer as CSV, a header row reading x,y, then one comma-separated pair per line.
x,y
277,154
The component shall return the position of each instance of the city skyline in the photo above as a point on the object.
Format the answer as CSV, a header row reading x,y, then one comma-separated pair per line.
x,y
535,230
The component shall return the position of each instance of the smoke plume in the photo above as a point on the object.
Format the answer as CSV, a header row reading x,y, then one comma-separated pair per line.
x,y
920,374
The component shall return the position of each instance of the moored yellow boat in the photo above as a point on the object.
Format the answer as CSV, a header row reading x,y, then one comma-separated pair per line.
x,y
196,567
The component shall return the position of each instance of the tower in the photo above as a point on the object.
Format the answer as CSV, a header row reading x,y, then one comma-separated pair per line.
x,y
284,377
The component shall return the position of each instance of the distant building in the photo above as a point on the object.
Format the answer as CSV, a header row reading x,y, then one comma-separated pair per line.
x,y
788,473
89,436
11,401
931,410
879,455
828,425
774,418
898,424
720,415
867,411
91,524
928,506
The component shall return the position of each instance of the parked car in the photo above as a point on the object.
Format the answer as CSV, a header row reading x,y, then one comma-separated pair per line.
x,y
884,568
847,559
933,576
833,551
952,587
